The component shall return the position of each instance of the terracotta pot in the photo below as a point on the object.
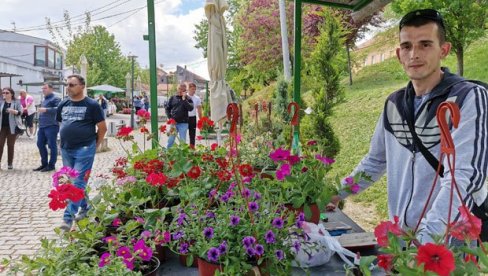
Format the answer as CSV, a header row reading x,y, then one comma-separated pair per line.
x,y
315,218
207,269
183,259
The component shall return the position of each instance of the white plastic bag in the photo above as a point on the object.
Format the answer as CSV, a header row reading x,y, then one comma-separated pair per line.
x,y
319,247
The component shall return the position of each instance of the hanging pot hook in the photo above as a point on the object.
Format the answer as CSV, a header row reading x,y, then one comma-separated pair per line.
x,y
294,119
447,144
233,117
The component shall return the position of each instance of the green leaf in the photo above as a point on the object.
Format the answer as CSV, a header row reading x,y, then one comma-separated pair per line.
x,y
189,259
298,202
307,211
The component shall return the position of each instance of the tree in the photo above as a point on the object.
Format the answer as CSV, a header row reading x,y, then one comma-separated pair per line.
x,y
464,19
105,60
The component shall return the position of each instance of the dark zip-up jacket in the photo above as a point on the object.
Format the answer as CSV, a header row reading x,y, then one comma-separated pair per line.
x,y
48,118
177,108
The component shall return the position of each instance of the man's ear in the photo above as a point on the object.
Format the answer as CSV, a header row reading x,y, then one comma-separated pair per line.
x,y
445,49
398,54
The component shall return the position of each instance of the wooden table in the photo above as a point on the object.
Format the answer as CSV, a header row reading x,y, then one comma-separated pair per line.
x,y
334,267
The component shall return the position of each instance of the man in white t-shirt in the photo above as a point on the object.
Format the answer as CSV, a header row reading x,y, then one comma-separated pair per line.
x,y
192,115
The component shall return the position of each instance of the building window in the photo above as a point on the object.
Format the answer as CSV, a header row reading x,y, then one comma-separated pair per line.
x,y
47,57
39,56
372,59
382,57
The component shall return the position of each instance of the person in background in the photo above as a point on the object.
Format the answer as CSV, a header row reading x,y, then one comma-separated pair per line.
x,y
192,115
146,102
11,110
138,104
48,129
102,101
28,108
177,109
82,131
407,132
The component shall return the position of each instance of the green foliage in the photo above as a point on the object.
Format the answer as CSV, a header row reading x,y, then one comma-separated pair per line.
x,y
201,36
325,67
106,64
465,20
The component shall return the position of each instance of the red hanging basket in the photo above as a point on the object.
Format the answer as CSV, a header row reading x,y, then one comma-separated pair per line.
x,y
207,269
315,218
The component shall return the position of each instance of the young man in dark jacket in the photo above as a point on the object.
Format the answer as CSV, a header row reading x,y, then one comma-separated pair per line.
x,y
394,149
177,109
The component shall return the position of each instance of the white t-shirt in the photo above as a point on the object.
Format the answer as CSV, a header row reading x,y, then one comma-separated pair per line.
x,y
196,103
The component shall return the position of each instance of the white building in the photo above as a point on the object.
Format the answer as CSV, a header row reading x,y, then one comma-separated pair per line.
x,y
27,61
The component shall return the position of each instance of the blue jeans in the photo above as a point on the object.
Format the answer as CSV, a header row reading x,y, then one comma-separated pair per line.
x,y
80,159
48,135
181,128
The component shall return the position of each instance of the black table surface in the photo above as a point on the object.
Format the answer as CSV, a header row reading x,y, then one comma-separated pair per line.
x,y
172,267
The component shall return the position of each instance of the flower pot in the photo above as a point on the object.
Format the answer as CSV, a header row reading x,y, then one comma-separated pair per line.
x,y
160,253
315,218
207,269
183,261
152,268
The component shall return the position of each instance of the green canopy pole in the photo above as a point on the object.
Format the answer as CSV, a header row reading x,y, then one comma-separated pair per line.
x,y
207,103
297,68
151,37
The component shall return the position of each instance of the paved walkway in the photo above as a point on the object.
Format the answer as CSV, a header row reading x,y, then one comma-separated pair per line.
x,y
25,216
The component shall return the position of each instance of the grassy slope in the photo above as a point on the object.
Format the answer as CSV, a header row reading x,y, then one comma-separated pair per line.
x,y
354,119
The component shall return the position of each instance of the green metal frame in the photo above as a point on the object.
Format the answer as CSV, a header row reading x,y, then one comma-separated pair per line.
x,y
151,37
298,48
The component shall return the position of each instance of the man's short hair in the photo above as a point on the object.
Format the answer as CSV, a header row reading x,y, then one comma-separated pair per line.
x,y
50,85
78,77
422,17
191,84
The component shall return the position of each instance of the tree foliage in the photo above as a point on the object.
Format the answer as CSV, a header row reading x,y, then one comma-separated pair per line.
x,y
106,64
464,19
325,68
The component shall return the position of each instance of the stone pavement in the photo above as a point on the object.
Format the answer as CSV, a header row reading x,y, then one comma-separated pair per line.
x,y
25,216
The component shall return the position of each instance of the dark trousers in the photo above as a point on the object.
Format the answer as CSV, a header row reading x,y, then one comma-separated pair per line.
x,y
48,136
5,135
192,129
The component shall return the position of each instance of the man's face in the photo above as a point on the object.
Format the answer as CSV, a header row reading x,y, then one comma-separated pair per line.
x,y
75,88
420,51
191,90
181,89
23,94
46,90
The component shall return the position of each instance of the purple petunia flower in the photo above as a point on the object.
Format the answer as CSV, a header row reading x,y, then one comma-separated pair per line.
x,y
223,248
279,154
181,219
178,235
212,193
296,246
248,241
208,232
234,220
224,197
349,180
246,193
259,249
184,248
279,255
278,223
250,251
210,214
257,196
213,255
247,179
253,206
269,237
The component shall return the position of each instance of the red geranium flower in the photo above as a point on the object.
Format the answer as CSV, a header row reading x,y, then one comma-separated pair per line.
x,y
385,261
57,200
194,172
143,114
222,163
224,175
213,146
467,227
139,165
207,157
172,182
171,122
118,172
205,123
62,193
144,129
156,179
436,258
199,137
245,170
162,128
381,231
124,131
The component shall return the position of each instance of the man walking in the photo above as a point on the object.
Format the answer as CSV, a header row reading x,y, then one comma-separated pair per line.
x,y
177,109
48,129
82,130
192,115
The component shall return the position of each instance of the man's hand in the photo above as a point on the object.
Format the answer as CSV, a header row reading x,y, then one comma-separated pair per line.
x,y
334,202
42,109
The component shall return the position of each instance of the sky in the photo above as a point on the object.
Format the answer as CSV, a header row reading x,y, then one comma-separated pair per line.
x,y
125,19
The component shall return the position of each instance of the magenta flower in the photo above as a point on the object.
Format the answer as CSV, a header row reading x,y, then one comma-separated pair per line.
x,y
139,219
129,263
279,155
116,222
104,259
311,143
167,237
324,159
109,239
64,172
283,171
355,188
146,234
124,252
349,180
145,252
293,159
